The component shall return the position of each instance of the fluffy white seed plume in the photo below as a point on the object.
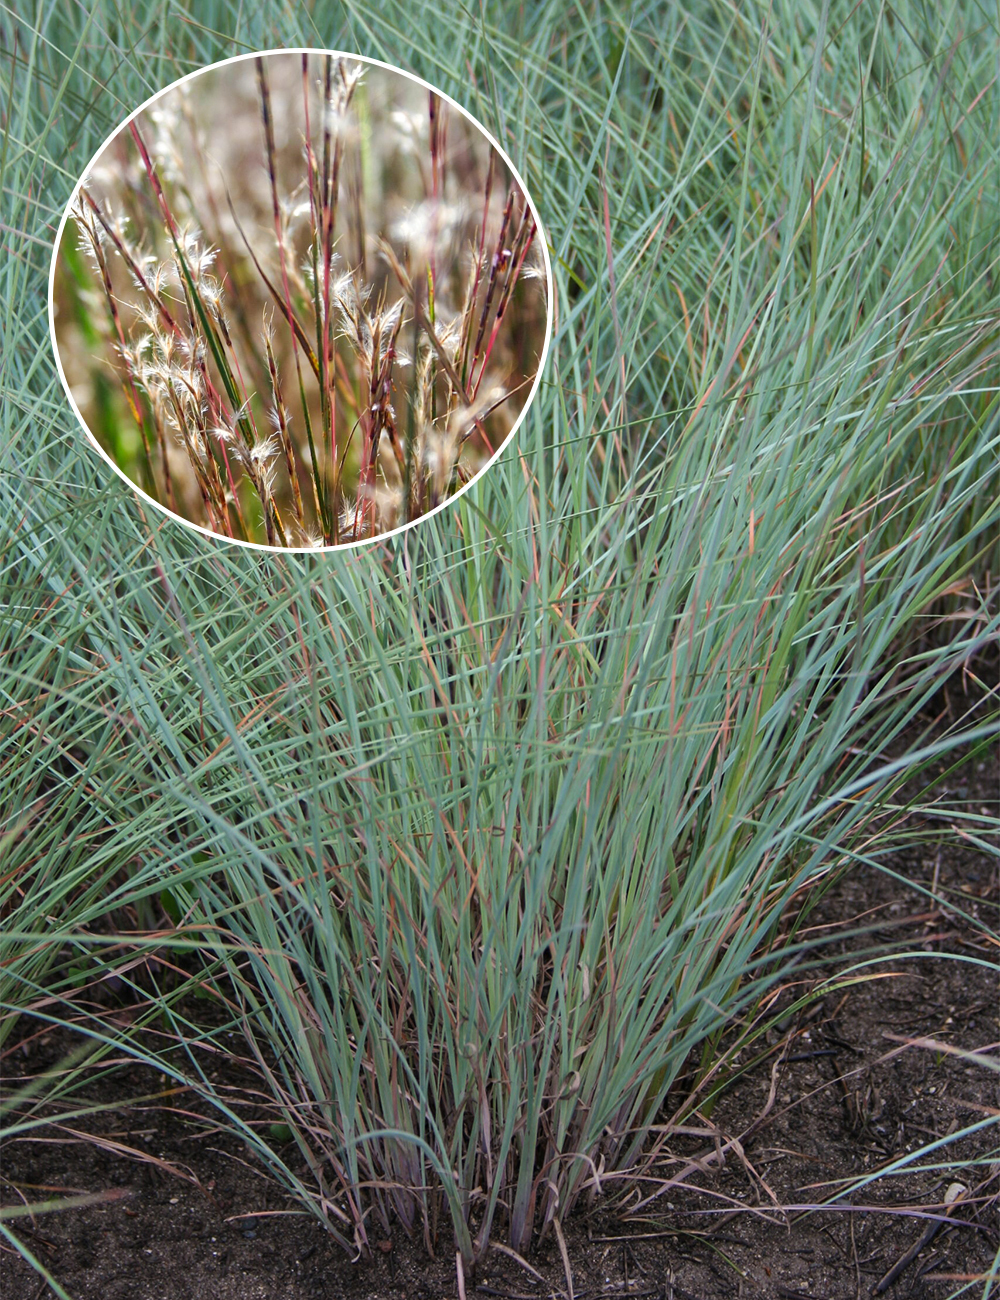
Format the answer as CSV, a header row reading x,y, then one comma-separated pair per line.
x,y
347,77
91,235
222,433
264,451
388,322
199,256
192,349
210,293
462,419
534,265
411,126
430,227
439,450
295,207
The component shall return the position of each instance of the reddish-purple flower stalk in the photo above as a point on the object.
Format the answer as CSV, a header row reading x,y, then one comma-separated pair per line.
x,y
514,264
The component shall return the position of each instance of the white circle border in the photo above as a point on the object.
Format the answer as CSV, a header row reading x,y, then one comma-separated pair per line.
x,y
536,382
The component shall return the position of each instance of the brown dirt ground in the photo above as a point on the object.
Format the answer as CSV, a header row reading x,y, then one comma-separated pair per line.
x,y
847,1099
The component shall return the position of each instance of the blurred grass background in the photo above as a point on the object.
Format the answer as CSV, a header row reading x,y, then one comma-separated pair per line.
x,y
480,837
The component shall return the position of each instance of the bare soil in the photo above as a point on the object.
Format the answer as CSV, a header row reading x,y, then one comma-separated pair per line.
x,y
835,1094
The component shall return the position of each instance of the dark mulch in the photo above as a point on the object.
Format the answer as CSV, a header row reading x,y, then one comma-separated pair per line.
x,y
845,1095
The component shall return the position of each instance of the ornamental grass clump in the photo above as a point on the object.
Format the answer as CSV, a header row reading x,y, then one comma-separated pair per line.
x,y
491,848
305,303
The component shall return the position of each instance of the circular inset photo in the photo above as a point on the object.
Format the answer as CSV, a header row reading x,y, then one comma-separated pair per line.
x,y
300,299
